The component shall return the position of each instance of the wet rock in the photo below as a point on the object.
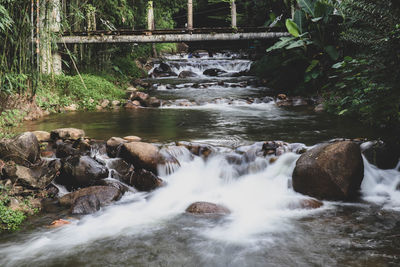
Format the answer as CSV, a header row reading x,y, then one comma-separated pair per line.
x,y
308,203
144,180
153,102
65,150
89,200
81,171
163,70
42,136
113,146
23,149
67,133
319,109
120,169
58,223
115,103
282,97
105,103
276,148
207,208
187,74
141,97
330,171
197,149
38,176
52,191
213,72
141,155
132,104
382,155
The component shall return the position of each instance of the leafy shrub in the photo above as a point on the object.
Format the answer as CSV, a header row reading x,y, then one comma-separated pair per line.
x,y
9,219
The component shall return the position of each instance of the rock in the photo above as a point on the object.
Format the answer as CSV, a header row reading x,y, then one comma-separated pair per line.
x,y
132,105
113,146
382,155
115,103
267,99
163,70
98,107
42,136
319,109
67,133
132,138
36,177
153,102
81,171
330,171
85,205
187,74
308,203
52,191
105,103
213,72
144,180
141,155
282,97
72,107
141,97
65,150
23,149
90,199
207,208
58,223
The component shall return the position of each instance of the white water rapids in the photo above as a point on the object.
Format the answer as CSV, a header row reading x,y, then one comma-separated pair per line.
x,y
259,201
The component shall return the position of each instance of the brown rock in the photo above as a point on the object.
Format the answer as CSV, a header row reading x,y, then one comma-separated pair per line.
x,y
42,136
23,149
141,155
132,138
330,171
58,223
113,146
105,195
207,208
282,97
144,180
67,133
308,203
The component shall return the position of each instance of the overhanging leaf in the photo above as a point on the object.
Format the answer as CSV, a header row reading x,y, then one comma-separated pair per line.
x,y
300,20
307,6
292,28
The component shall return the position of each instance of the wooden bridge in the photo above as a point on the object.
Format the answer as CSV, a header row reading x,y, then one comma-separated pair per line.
x,y
171,36
50,61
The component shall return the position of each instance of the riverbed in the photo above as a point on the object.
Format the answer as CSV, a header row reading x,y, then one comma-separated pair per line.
x,y
227,112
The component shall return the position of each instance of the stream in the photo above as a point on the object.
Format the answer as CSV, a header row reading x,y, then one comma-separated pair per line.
x,y
152,229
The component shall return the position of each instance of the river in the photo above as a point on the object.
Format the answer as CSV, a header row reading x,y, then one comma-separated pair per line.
x,y
152,229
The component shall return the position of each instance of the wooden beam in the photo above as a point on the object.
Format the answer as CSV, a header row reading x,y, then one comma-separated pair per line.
x,y
233,14
190,15
171,38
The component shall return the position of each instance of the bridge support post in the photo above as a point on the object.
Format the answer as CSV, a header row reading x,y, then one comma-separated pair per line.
x,y
50,58
190,15
150,16
233,14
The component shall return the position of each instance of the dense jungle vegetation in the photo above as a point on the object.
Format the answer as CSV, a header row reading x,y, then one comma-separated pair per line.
x,y
346,51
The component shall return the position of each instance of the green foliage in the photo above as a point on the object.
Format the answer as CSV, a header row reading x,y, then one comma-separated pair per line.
x,y
9,219
64,90
13,83
307,55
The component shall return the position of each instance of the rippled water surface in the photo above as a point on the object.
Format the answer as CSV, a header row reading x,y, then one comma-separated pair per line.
x,y
263,229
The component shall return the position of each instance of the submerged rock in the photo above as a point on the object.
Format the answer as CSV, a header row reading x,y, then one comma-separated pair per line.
x,y
67,133
330,171
23,149
207,208
81,171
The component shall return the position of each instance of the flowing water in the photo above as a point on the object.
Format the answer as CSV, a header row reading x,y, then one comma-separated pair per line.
x,y
265,227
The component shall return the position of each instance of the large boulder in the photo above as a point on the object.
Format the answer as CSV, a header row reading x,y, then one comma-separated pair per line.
x,y
163,70
141,155
36,177
89,200
143,180
330,171
207,208
81,171
67,133
42,136
213,72
23,149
